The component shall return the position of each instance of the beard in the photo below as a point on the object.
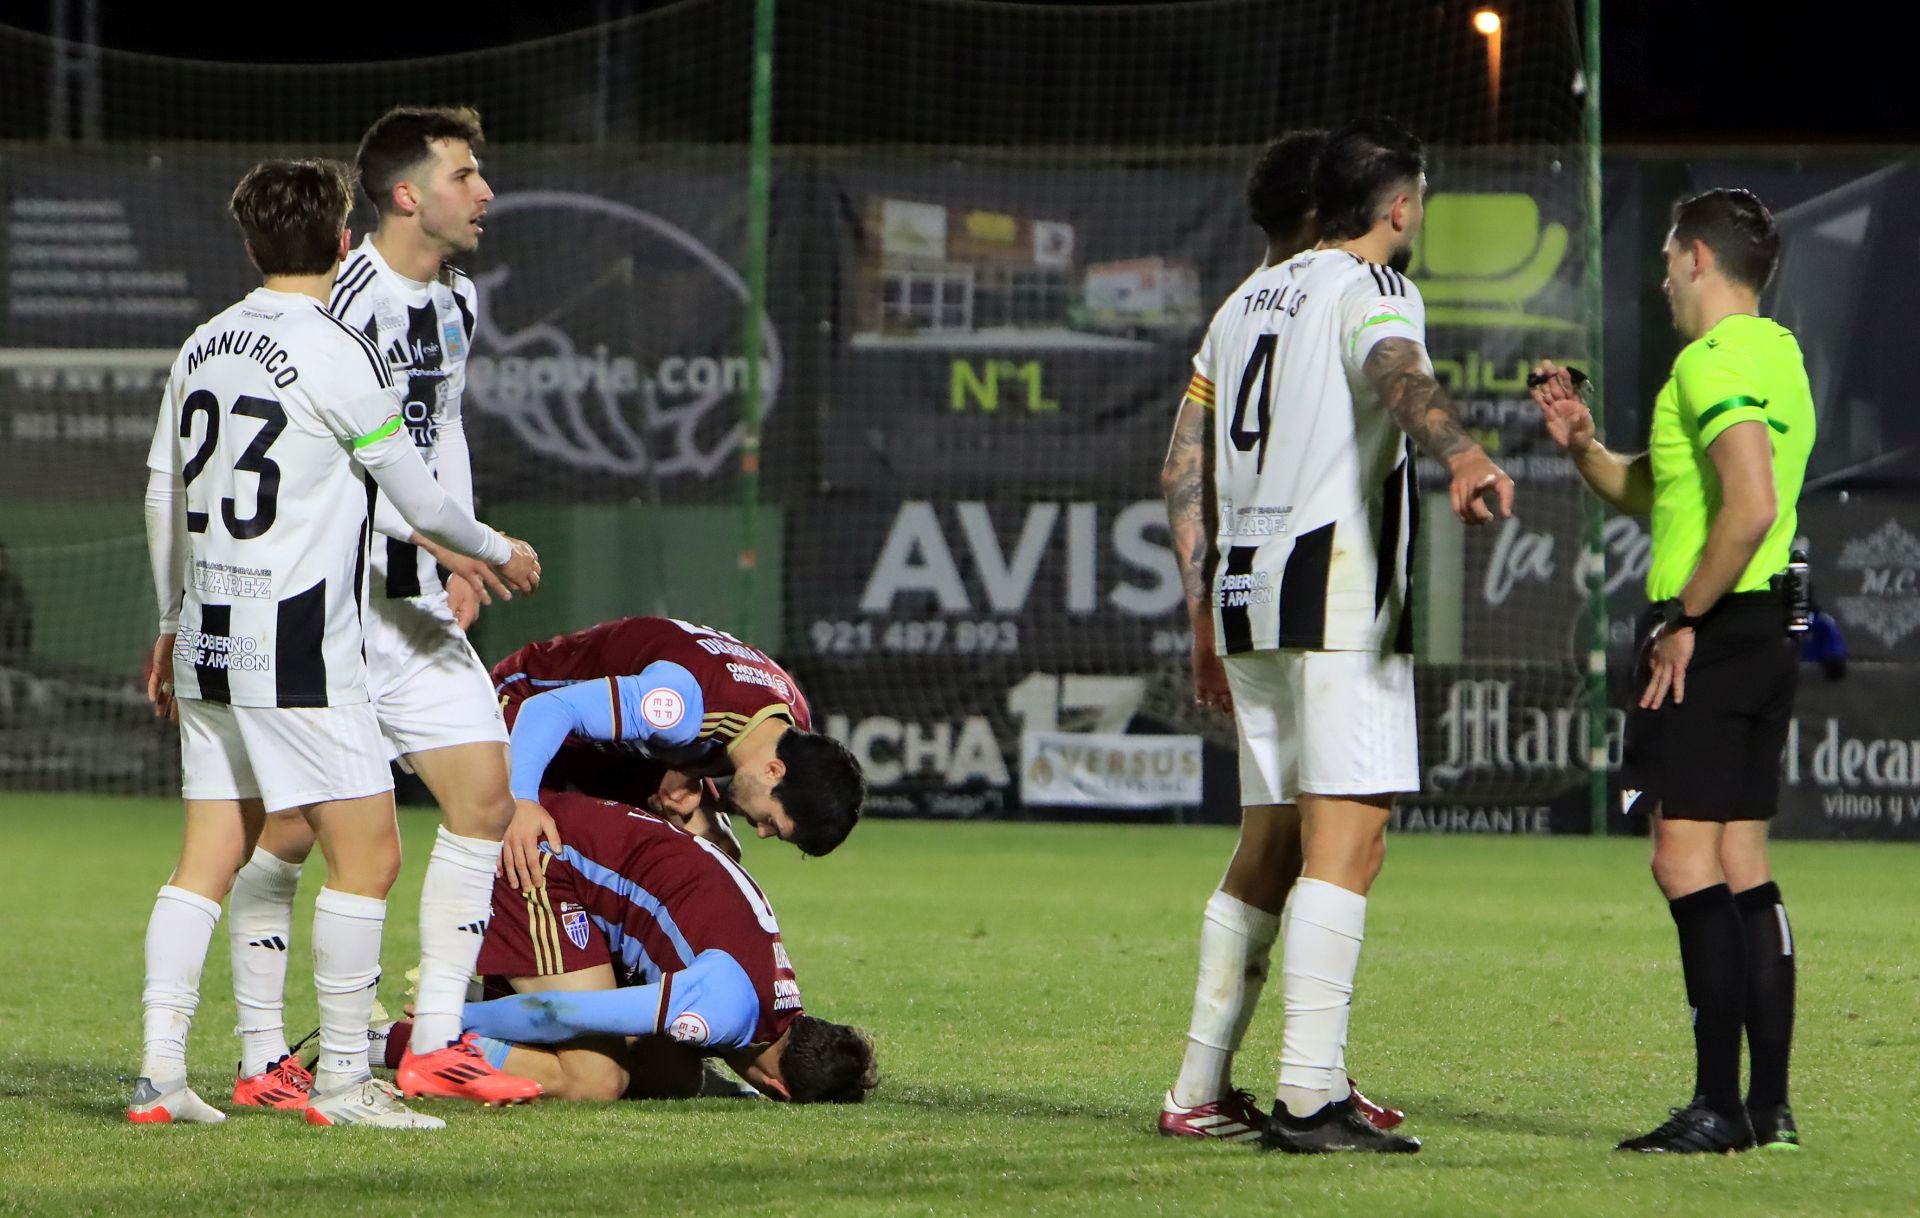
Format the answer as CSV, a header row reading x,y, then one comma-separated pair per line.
x,y
1400,259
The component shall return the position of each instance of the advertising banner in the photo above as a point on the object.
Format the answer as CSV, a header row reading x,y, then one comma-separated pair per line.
x,y
1056,583
1082,770
1852,763
607,354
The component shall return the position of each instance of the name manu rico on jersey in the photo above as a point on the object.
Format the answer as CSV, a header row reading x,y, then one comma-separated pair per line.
x,y
1313,479
256,408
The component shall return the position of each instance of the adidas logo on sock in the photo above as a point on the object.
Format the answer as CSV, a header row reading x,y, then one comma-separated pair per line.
x,y
273,942
476,928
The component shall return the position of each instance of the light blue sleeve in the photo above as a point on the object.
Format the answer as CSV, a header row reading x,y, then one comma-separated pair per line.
x,y
709,1004
546,720
712,1003
662,704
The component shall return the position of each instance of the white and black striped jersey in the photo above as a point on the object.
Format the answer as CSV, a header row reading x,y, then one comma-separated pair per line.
x,y
1314,480
262,413
425,331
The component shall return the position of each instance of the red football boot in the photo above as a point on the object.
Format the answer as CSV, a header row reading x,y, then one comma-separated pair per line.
x,y
284,1084
460,1071
1378,1116
1234,1118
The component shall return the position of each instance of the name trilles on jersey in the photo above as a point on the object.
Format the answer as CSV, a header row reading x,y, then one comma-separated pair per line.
x,y
1314,480
425,331
261,407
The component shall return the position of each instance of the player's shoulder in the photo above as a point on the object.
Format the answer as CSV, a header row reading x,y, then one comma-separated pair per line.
x,y
211,326
1357,278
1728,342
353,362
240,324
457,279
356,286
1229,306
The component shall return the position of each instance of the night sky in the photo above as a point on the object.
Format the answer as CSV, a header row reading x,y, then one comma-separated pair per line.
x,y
1673,71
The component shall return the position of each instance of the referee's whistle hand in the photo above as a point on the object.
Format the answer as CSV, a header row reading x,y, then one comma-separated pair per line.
x,y
1569,420
1475,477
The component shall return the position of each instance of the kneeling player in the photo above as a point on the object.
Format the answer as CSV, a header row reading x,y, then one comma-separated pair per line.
x,y
646,949
585,707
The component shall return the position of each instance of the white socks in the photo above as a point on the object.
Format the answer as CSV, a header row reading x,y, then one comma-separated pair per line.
x,y
455,902
1325,927
1236,941
259,932
178,935
346,968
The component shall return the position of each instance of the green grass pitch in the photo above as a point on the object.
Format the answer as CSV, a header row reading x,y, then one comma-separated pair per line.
x,y
1028,988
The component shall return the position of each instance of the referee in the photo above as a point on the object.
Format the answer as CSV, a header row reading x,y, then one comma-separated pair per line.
x,y
1732,430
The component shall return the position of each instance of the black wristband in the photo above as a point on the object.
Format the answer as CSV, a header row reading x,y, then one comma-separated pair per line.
x,y
1674,616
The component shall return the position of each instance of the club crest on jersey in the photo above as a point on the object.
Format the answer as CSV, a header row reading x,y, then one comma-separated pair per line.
x,y
689,1029
662,707
574,922
452,339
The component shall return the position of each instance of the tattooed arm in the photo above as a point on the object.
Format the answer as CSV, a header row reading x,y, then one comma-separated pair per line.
x,y
1399,371
1184,478
1186,482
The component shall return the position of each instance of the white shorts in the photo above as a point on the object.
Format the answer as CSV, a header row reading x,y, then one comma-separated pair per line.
x,y
286,757
430,691
1324,722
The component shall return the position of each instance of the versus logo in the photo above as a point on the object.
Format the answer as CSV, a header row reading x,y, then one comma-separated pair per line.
x,y
627,362
1887,603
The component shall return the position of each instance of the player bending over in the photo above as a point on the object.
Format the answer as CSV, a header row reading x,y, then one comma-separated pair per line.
x,y
430,691
585,707
646,950
257,516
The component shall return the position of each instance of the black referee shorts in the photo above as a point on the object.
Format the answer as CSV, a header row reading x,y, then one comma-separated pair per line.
x,y
1716,756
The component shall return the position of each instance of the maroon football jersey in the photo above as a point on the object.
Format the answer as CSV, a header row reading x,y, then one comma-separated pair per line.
x,y
740,685
657,896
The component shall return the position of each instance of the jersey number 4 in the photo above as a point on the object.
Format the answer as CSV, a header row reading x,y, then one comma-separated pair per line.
x,y
266,504
1245,438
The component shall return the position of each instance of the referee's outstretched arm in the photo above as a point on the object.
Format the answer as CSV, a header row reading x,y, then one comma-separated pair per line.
x,y
1623,481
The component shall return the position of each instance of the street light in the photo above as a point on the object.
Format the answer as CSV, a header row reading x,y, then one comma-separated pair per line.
x,y
1486,23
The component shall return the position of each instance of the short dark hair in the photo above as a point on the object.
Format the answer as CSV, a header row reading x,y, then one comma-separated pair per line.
x,y
292,213
402,138
822,789
1737,227
827,1063
1280,186
1362,164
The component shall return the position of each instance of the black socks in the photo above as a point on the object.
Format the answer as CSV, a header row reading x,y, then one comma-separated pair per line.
x,y
1713,954
1769,1010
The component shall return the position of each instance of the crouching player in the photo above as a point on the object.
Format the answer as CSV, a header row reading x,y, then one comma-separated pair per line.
x,y
605,710
647,949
